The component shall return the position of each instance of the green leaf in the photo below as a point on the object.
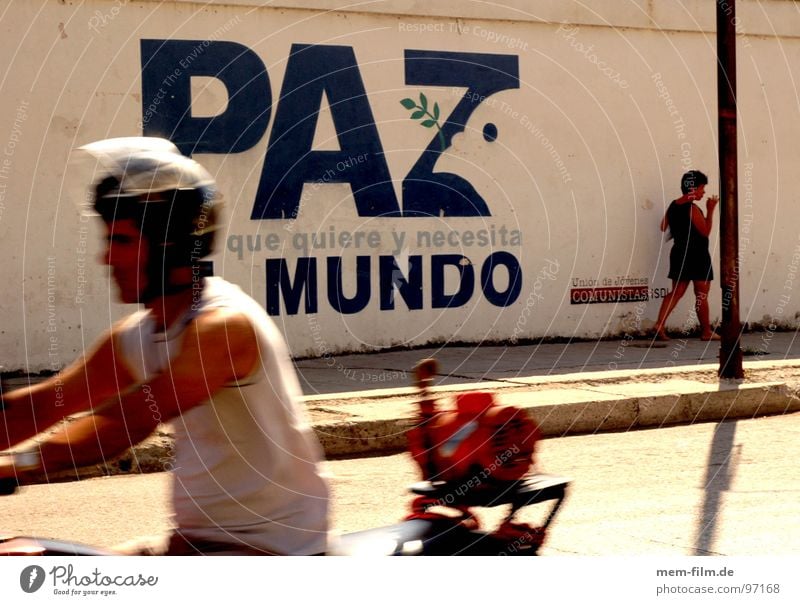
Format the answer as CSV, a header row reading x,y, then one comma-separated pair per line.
x,y
423,101
417,115
408,103
429,123
435,111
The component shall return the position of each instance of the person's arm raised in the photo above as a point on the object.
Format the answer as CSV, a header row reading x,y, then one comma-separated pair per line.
x,y
88,381
705,223
217,348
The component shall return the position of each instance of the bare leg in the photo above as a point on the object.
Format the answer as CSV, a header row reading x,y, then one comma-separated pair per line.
x,y
667,305
701,289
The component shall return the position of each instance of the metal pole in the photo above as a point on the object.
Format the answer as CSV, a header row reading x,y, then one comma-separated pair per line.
x,y
730,356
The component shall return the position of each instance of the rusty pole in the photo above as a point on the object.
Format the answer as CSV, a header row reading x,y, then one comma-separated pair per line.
x,y
730,355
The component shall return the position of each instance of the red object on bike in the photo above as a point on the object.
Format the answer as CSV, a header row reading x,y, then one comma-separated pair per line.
x,y
479,442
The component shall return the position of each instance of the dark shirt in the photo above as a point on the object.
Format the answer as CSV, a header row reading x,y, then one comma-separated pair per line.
x,y
682,230
689,259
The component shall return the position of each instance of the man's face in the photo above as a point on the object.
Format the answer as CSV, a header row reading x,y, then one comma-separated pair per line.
x,y
127,254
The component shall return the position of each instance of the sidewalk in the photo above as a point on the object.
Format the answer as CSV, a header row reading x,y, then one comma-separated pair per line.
x,y
526,363
362,404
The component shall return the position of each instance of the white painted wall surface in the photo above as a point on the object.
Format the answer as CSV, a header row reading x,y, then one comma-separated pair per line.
x,y
614,102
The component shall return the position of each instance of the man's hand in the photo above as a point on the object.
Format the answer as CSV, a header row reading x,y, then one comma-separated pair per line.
x,y
13,468
7,470
711,203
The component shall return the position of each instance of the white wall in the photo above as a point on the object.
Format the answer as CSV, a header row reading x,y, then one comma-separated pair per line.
x,y
615,100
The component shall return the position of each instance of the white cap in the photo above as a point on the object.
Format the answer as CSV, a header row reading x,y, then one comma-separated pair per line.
x,y
147,164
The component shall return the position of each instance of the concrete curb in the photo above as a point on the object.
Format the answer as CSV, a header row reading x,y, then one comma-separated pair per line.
x,y
581,417
376,421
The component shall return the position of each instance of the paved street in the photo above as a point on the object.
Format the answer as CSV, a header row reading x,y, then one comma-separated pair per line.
x,y
712,488
570,388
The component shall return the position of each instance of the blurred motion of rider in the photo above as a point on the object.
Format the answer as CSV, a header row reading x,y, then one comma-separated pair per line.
x,y
201,353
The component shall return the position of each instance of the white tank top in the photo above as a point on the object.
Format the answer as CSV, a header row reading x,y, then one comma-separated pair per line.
x,y
247,464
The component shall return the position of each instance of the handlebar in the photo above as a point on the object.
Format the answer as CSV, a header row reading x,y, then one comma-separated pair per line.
x,y
8,486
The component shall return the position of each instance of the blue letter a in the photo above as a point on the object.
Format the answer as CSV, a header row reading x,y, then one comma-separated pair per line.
x,y
290,161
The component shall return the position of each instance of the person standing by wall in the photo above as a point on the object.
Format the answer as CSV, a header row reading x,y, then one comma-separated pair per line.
x,y
689,259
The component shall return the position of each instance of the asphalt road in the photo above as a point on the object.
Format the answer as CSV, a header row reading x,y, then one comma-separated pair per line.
x,y
728,488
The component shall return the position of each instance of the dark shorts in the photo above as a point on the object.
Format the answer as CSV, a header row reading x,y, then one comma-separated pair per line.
x,y
690,265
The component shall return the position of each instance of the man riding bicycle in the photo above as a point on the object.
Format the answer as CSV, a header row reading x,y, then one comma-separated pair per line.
x,y
246,477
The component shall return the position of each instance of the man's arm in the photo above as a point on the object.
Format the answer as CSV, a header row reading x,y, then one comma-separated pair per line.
x,y
218,347
91,439
86,382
